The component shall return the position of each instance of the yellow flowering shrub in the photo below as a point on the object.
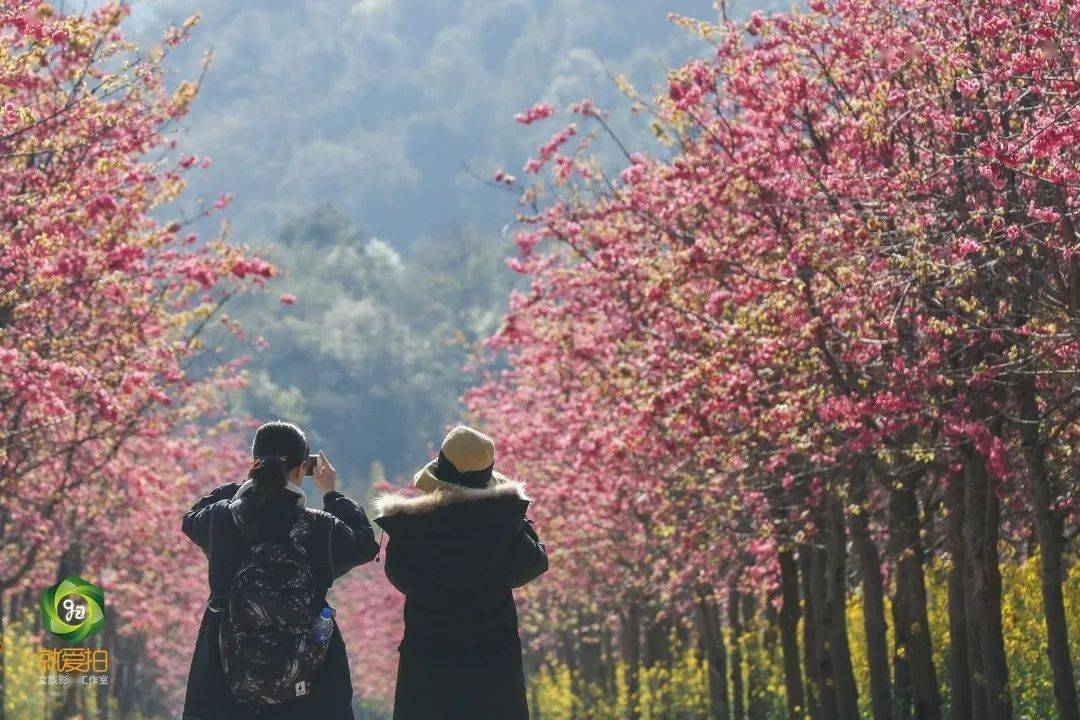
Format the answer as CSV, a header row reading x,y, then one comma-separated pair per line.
x,y
24,694
1025,636
680,692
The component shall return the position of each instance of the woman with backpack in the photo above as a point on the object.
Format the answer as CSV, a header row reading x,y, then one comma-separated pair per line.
x,y
268,646
456,553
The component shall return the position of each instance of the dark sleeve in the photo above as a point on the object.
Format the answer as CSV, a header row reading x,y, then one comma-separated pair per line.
x,y
527,558
196,522
352,539
400,570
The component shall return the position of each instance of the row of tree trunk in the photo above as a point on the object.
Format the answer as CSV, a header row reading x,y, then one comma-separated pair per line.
x,y
808,630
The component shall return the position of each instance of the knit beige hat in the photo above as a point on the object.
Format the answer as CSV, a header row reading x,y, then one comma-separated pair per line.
x,y
466,459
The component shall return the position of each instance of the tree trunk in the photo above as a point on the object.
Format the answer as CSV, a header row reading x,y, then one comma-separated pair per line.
x,y
630,641
658,643
610,661
810,661
590,650
902,670
125,681
70,563
823,660
981,537
716,656
68,706
976,679
102,700
911,588
959,670
3,667
847,697
755,659
877,642
1049,529
789,634
568,657
738,708
104,692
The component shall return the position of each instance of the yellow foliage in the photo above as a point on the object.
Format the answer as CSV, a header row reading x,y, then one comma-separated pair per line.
x,y
679,692
24,694
1025,636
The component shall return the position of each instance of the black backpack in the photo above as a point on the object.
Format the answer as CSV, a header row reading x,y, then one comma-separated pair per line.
x,y
268,651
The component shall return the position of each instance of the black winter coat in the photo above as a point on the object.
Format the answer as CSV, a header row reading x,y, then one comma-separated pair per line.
x,y
456,556
348,541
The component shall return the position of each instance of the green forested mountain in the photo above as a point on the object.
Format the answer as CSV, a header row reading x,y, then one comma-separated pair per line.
x,y
369,358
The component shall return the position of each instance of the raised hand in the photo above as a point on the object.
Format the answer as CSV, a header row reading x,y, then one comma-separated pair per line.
x,y
325,475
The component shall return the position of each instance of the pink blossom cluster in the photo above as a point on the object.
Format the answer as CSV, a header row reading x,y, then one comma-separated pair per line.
x,y
539,111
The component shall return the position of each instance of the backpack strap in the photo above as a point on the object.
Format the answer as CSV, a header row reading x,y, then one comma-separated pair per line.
x,y
245,523
220,569
319,520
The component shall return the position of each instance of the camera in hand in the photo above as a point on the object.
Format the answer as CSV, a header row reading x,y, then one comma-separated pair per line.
x,y
309,465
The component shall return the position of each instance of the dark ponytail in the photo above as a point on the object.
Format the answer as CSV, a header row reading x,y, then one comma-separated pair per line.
x,y
278,448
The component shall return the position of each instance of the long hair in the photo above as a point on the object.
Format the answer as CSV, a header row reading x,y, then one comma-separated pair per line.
x,y
278,448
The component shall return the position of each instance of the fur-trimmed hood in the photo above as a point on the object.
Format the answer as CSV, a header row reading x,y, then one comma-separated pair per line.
x,y
399,504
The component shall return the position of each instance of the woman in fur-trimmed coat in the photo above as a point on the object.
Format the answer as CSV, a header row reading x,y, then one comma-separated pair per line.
x,y
456,553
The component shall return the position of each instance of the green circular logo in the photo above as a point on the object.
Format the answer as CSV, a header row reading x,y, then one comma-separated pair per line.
x,y
73,609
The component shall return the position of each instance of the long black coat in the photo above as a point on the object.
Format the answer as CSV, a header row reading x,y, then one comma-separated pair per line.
x,y
346,540
457,556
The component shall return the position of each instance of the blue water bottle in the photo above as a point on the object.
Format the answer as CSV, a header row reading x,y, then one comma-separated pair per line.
x,y
323,626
